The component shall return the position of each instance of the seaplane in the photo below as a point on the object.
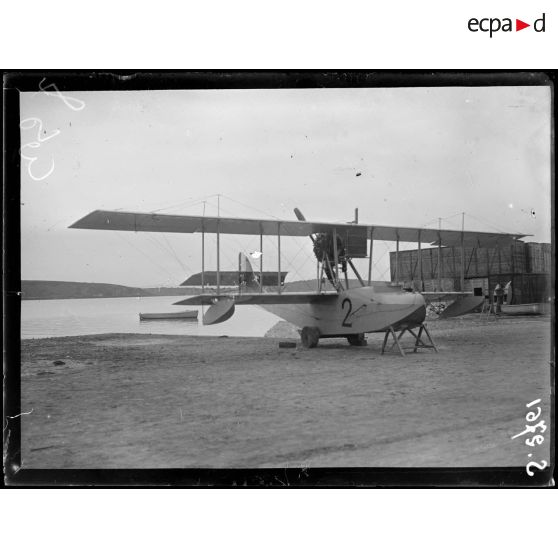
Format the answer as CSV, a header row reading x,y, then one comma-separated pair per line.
x,y
337,308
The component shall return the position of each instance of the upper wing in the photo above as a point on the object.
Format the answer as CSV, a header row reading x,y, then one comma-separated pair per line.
x,y
262,298
155,222
442,237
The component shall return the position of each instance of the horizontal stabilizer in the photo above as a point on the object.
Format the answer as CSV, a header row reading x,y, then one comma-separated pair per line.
x,y
231,278
438,296
462,306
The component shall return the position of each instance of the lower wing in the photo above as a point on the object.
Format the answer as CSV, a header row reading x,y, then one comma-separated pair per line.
x,y
261,298
222,306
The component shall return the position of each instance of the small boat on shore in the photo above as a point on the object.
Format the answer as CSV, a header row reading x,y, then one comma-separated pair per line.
x,y
187,315
532,309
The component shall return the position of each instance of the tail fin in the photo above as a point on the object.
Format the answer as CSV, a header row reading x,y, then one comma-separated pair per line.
x,y
247,278
245,265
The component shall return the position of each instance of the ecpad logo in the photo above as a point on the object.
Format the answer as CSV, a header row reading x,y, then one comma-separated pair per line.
x,y
493,25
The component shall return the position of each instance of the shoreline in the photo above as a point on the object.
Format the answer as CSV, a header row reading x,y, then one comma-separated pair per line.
x,y
157,400
434,324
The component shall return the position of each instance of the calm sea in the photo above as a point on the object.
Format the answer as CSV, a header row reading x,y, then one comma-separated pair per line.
x,y
57,318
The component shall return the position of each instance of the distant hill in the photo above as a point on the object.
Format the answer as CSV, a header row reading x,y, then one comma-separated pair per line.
x,y
71,289
171,291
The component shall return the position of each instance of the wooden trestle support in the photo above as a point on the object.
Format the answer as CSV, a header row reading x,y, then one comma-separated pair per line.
x,y
419,342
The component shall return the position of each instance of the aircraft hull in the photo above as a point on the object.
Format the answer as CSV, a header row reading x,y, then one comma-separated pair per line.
x,y
360,310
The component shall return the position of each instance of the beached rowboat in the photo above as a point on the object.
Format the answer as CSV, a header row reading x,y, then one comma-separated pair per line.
x,y
525,309
187,315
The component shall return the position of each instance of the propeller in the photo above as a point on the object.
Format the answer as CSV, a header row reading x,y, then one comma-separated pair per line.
x,y
301,217
320,242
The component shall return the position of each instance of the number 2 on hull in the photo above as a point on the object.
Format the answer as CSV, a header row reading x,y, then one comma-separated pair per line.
x,y
345,323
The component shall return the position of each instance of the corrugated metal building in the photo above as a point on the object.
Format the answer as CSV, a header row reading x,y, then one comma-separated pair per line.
x,y
526,264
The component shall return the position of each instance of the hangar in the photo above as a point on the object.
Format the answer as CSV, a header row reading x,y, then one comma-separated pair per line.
x,y
526,264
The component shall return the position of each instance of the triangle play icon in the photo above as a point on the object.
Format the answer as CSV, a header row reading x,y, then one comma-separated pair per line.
x,y
519,25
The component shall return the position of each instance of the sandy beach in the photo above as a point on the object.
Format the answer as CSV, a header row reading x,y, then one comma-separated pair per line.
x,y
150,401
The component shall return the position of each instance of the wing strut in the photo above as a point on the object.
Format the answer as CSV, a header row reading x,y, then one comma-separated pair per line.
x,y
462,252
203,259
336,258
261,262
370,256
440,257
218,260
421,283
397,260
355,272
279,257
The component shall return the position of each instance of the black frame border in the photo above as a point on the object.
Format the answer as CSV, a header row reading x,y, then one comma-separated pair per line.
x,y
354,477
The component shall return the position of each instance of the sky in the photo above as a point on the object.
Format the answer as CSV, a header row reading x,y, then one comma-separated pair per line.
x,y
403,156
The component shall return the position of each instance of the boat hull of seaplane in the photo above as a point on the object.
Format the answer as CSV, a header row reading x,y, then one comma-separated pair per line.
x,y
357,311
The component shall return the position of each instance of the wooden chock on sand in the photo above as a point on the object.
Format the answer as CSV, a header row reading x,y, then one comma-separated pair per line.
x,y
419,342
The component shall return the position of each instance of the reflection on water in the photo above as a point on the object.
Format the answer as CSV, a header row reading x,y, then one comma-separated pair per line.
x,y
58,318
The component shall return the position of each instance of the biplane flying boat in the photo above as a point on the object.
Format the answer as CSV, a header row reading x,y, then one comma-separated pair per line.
x,y
346,312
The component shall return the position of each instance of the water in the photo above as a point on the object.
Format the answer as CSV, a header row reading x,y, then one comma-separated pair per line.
x,y
59,318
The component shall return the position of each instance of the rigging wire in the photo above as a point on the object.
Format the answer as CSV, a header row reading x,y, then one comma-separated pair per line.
x,y
242,245
291,261
250,207
224,254
486,223
296,269
120,235
297,241
182,265
168,249
301,245
375,265
440,218
195,201
482,221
